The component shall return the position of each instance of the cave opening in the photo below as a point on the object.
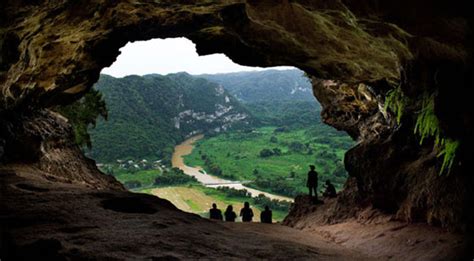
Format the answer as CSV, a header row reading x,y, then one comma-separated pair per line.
x,y
202,129
358,55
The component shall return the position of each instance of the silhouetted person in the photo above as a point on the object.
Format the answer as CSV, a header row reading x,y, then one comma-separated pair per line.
x,y
246,213
229,214
312,182
215,213
330,190
266,215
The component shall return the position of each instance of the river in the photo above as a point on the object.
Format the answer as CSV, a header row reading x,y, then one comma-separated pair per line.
x,y
186,147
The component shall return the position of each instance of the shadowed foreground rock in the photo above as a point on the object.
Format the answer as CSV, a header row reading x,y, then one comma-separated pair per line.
x,y
60,221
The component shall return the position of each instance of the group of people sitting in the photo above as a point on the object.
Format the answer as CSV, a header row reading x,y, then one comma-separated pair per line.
x,y
266,216
246,213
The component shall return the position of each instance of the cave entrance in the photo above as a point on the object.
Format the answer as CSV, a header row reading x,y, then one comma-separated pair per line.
x,y
202,129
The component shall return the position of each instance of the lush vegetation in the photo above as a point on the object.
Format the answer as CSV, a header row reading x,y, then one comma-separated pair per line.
x,y
265,86
139,177
83,115
238,156
149,115
267,135
261,200
286,113
174,177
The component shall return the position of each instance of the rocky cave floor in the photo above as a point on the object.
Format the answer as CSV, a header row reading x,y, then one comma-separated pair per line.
x,y
57,221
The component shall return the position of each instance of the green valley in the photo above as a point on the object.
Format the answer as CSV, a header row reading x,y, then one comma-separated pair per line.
x,y
262,128
273,158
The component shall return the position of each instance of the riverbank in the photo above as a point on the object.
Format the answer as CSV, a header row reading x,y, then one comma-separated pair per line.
x,y
186,148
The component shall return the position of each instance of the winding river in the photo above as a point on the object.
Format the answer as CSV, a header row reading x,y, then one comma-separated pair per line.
x,y
186,147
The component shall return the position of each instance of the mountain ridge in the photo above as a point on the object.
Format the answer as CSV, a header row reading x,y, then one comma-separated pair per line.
x,y
191,105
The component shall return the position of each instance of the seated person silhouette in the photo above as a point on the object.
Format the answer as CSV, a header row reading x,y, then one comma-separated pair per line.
x,y
215,213
266,215
330,191
229,214
246,213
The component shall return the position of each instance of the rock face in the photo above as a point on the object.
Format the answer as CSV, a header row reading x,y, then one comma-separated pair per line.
x,y
51,53
43,141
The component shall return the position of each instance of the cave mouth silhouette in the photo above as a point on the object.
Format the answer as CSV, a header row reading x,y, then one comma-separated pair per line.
x,y
52,53
174,55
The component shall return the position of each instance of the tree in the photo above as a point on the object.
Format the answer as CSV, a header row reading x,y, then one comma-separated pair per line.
x,y
292,174
296,146
84,113
340,171
273,139
276,151
266,153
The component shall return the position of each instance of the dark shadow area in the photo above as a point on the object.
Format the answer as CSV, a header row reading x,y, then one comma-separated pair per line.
x,y
133,204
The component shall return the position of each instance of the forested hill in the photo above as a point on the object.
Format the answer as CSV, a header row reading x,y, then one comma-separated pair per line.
x,y
275,97
265,86
148,115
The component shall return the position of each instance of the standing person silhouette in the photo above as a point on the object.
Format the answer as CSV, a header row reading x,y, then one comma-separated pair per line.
x,y
246,213
229,214
312,182
215,213
266,216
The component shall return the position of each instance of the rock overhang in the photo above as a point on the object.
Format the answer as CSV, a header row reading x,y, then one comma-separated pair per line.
x,y
52,53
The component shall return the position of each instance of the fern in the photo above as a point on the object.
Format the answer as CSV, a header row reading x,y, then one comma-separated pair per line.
x,y
396,102
427,125
449,148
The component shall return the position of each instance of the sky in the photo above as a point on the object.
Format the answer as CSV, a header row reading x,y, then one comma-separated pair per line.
x,y
164,56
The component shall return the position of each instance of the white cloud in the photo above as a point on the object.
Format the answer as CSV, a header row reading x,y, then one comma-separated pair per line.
x,y
170,55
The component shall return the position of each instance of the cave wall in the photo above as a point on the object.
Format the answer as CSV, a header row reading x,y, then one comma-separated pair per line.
x,y
51,52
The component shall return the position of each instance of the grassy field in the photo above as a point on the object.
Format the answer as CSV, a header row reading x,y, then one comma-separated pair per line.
x,y
145,177
198,199
237,154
